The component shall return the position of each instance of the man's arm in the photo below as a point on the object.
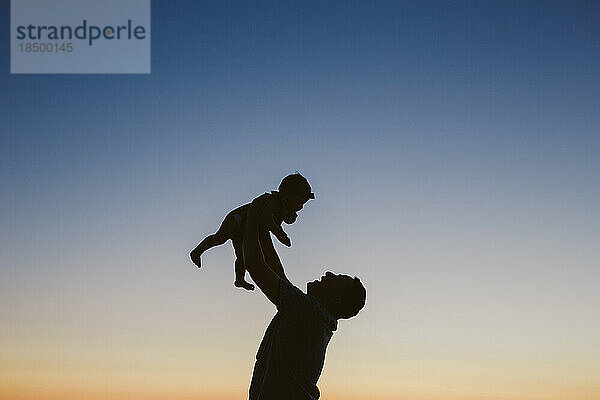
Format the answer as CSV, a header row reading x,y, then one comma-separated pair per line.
x,y
271,256
254,260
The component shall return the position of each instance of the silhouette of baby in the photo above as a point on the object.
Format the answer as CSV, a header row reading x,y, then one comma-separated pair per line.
x,y
281,206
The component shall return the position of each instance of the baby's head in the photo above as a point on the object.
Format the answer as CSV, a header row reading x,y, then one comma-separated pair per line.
x,y
295,191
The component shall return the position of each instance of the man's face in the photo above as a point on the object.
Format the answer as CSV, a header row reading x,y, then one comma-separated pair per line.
x,y
330,284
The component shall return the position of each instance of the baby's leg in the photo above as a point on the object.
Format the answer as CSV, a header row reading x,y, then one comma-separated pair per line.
x,y
240,269
224,233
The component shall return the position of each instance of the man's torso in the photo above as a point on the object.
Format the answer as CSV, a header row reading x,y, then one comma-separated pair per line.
x,y
290,358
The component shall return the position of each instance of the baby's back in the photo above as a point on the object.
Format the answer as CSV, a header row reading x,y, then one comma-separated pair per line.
x,y
239,215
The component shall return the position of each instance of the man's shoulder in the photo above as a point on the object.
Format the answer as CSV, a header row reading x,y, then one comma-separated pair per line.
x,y
295,303
290,294
288,286
303,306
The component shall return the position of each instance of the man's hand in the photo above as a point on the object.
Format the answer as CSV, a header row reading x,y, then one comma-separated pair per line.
x,y
271,256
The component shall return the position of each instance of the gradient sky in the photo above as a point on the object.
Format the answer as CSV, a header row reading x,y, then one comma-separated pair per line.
x,y
453,149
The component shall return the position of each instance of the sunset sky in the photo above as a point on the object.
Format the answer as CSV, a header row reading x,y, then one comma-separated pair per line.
x,y
453,148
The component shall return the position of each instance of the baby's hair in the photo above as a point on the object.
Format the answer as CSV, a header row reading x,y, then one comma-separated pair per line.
x,y
296,184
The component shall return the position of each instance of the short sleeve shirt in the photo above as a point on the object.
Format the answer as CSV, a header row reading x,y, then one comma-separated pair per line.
x,y
291,355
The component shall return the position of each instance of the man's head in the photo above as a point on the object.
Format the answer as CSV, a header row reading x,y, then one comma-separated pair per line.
x,y
342,295
295,192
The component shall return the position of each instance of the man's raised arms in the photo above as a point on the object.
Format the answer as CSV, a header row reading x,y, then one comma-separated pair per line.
x,y
270,254
254,260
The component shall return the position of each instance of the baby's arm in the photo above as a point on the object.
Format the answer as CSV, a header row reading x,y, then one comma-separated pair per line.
x,y
269,223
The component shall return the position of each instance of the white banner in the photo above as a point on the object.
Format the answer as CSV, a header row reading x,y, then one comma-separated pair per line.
x,y
80,36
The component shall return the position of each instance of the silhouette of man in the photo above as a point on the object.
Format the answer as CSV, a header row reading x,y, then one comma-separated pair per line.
x,y
291,355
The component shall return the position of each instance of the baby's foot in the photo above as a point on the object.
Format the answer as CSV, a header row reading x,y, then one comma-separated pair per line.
x,y
195,258
243,284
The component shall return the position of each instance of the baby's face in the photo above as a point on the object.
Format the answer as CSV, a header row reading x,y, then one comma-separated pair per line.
x,y
292,205
295,203
290,218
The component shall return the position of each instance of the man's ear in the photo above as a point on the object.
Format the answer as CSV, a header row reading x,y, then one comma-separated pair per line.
x,y
336,300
